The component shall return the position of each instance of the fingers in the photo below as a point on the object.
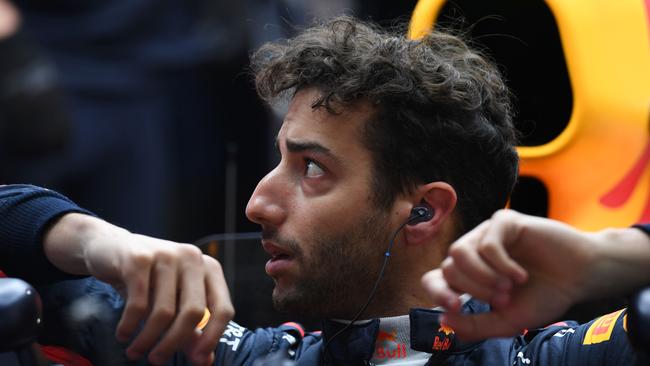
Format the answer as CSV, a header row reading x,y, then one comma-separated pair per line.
x,y
191,306
221,312
479,263
164,306
458,279
136,278
436,286
466,255
168,287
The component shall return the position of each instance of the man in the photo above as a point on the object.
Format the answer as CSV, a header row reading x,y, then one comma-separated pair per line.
x,y
390,150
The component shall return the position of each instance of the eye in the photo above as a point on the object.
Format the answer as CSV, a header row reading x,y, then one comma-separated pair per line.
x,y
312,169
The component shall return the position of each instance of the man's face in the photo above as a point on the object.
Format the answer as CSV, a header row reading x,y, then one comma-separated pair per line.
x,y
325,236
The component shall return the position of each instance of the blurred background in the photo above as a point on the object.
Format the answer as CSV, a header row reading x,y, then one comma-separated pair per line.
x,y
144,111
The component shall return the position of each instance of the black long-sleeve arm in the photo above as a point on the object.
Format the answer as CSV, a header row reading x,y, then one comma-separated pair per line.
x,y
25,214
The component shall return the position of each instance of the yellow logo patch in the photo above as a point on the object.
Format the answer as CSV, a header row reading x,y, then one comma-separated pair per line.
x,y
601,329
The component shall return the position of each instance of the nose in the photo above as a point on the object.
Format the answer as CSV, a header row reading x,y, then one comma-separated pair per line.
x,y
265,207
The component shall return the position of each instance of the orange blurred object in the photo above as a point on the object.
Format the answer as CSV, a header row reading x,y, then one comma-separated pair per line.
x,y
204,320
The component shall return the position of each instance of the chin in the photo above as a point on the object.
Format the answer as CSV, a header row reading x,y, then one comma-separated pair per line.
x,y
286,302
312,305
300,303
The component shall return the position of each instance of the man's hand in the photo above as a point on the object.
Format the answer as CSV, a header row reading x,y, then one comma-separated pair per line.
x,y
167,285
531,270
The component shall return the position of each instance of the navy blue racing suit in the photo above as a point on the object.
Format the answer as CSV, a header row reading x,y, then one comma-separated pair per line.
x,y
602,341
82,313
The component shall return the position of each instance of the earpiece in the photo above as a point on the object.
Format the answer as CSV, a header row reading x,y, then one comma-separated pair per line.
x,y
420,213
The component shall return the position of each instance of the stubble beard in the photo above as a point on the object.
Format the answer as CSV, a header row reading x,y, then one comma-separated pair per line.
x,y
338,275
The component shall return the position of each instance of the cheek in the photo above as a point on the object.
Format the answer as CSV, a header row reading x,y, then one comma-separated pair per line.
x,y
323,218
336,214
318,233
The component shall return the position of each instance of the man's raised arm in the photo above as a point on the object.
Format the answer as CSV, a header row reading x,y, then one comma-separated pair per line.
x,y
531,270
167,285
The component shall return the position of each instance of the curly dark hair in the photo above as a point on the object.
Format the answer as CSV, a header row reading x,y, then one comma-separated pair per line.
x,y
442,110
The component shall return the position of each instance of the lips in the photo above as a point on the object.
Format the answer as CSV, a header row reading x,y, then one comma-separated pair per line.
x,y
274,250
281,259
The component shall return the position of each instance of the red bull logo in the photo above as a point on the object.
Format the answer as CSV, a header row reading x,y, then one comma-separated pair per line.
x,y
444,339
388,347
384,336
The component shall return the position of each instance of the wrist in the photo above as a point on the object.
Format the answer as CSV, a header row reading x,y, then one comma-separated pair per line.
x,y
621,262
69,242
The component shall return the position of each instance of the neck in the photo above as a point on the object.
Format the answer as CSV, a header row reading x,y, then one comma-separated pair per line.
x,y
396,297
400,289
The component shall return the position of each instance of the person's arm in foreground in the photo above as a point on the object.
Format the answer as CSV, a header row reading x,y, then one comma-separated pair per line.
x,y
531,270
167,284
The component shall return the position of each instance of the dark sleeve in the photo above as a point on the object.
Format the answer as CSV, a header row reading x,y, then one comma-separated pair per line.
x,y
603,341
25,213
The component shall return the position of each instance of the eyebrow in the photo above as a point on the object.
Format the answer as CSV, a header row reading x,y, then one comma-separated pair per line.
x,y
295,146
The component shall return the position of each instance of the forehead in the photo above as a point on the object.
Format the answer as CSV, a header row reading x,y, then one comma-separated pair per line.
x,y
343,128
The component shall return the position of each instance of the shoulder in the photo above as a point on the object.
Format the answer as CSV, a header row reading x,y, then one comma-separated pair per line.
x,y
603,340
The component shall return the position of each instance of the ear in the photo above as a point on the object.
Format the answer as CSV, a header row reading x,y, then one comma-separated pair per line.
x,y
440,197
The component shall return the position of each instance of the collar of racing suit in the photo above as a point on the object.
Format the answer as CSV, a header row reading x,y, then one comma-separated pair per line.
x,y
357,345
